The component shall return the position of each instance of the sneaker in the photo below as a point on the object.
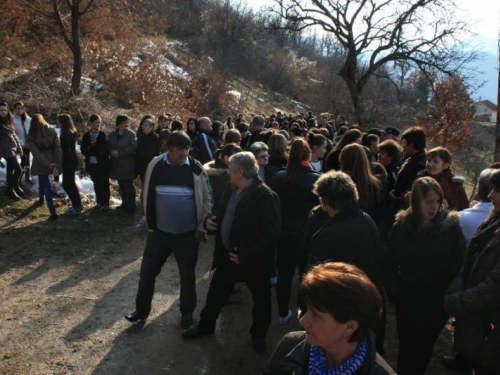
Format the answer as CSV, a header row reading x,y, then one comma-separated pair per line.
x,y
285,319
73,211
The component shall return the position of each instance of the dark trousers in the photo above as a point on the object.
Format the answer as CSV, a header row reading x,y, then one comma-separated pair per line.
x,y
127,193
44,190
25,160
417,333
218,294
14,172
159,246
69,186
100,178
287,263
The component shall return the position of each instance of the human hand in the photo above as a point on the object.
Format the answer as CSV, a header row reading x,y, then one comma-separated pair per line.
x,y
234,258
200,236
211,223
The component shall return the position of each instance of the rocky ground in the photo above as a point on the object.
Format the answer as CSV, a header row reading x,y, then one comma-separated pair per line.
x,y
65,286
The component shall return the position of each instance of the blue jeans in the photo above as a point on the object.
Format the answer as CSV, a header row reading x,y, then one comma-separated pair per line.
x,y
44,189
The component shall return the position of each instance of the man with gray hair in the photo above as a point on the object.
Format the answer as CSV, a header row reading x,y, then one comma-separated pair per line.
x,y
248,223
471,218
204,146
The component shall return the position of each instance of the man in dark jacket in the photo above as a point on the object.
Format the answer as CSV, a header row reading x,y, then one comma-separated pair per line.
x,y
416,158
204,146
177,199
148,147
248,226
256,127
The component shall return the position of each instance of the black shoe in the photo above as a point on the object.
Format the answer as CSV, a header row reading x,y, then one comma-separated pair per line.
x,y
195,332
20,192
135,316
259,346
187,320
53,217
456,363
13,195
122,207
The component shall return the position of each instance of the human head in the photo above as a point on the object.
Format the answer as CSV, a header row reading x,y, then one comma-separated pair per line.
x,y
243,129
232,136
227,151
6,118
258,122
242,167
122,122
336,191
277,144
371,141
39,126
438,161
65,123
413,140
218,129
204,123
484,184
345,293
95,122
351,136
389,151
178,144
299,152
426,199
317,143
192,125
20,109
323,119
176,125
147,126
494,195
261,153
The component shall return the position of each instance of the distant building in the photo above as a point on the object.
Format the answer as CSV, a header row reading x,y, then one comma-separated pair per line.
x,y
486,111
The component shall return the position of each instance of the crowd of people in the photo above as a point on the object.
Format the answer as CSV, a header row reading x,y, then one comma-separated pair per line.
x,y
367,218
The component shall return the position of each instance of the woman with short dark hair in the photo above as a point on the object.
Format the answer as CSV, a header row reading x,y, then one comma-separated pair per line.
x,y
69,162
343,305
148,146
425,251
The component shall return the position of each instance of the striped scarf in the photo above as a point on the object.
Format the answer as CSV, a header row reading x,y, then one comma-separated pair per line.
x,y
318,366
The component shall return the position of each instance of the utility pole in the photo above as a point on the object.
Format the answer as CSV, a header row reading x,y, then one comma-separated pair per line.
x,y
497,133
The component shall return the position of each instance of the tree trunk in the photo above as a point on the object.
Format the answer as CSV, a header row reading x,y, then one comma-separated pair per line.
x,y
77,50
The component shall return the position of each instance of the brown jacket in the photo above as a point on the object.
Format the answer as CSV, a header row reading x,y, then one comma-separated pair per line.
x,y
9,143
46,150
122,167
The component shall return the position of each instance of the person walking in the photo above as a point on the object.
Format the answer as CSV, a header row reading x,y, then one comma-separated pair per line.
x,y
22,122
176,200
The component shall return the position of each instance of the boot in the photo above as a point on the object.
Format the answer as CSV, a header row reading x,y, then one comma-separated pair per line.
x,y
20,191
12,194
27,176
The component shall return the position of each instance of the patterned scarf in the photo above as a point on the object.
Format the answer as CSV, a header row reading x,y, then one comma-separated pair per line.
x,y
317,361
93,137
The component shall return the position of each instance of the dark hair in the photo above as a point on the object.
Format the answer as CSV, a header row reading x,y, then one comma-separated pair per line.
x,y
392,148
495,180
370,139
484,184
420,188
375,131
94,117
120,119
24,116
337,190
227,150
345,292
9,119
295,131
232,136
242,127
299,152
415,136
258,120
442,153
66,124
176,125
349,137
316,140
178,139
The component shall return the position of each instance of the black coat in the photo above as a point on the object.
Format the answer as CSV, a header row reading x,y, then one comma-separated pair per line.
x,y
219,179
408,173
351,237
474,299
99,150
204,147
148,146
278,161
254,232
68,148
291,357
297,199
419,265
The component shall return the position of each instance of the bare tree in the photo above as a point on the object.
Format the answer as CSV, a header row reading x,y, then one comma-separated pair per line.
x,y
375,32
68,15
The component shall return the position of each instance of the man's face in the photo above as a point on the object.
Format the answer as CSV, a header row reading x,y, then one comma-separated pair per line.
x,y
206,125
178,155
234,175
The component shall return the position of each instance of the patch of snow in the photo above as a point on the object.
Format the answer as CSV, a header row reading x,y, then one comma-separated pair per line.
x,y
261,100
235,93
174,43
135,61
176,71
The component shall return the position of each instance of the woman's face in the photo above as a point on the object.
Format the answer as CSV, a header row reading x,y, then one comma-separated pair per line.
x,y
323,330
221,130
95,125
320,151
429,207
19,109
4,111
384,158
435,166
146,128
191,126
262,159
495,199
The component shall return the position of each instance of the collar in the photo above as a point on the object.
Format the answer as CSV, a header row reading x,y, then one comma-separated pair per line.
x,y
165,159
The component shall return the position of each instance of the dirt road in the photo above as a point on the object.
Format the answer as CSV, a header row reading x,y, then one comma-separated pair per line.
x,y
65,286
